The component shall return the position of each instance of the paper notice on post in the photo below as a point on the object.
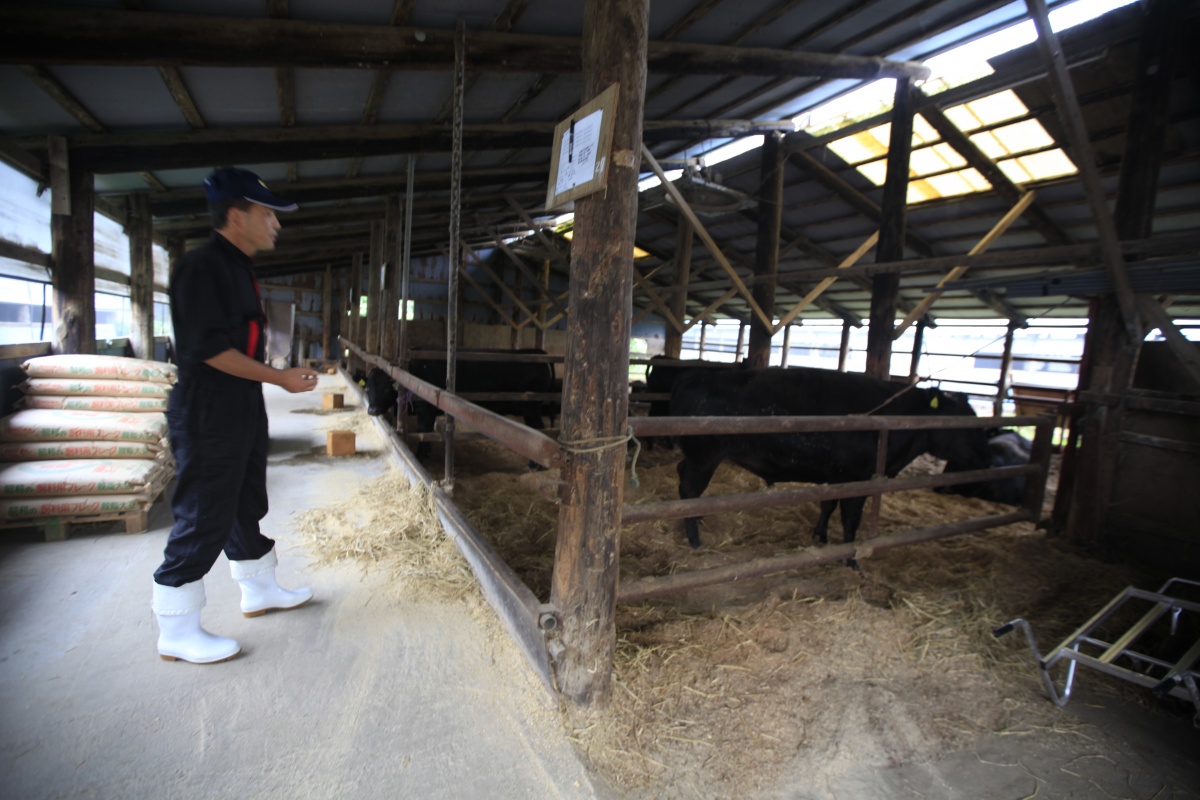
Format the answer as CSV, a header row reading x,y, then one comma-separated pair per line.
x,y
577,160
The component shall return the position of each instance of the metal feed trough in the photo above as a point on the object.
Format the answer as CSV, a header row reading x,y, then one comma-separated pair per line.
x,y
1179,679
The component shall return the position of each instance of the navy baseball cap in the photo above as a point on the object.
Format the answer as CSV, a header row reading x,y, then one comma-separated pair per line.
x,y
231,183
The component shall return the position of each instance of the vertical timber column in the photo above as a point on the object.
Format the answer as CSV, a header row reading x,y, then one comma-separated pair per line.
x,y
356,291
406,261
766,259
885,289
914,365
595,386
539,333
1110,355
673,344
140,229
327,312
374,288
1005,369
73,257
454,259
844,346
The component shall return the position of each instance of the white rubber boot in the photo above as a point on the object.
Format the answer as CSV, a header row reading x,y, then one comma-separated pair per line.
x,y
260,592
180,636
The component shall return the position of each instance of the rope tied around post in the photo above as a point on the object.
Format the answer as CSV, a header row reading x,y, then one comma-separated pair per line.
x,y
601,443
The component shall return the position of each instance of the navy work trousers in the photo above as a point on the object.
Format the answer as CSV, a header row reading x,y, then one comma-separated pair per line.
x,y
218,430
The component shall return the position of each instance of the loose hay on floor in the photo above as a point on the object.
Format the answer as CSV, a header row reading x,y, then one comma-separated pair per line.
x,y
723,691
392,525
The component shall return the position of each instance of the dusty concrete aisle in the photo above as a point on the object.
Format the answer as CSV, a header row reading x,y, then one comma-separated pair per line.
x,y
354,695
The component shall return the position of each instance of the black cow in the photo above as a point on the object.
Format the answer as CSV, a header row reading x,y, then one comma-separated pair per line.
x,y
661,379
1008,449
470,376
382,394
813,457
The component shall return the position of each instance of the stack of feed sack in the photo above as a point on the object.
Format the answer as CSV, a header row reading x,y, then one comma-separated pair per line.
x,y
97,383
100,447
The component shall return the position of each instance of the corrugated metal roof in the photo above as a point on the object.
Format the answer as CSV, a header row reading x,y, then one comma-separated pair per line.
x,y
821,225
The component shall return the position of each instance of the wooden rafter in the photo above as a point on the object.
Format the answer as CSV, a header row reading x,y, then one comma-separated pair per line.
x,y
706,237
62,95
954,274
122,152
77,36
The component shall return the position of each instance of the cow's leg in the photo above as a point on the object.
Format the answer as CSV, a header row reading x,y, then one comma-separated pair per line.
x,y
694,476
852,511
821,532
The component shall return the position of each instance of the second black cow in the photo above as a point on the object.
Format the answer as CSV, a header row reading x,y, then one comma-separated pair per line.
x,y
1007,448
470,376
813,457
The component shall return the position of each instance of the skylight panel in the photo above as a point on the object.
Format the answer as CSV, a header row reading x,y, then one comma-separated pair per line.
x,y
1047,164
1024,136
996,108
859,148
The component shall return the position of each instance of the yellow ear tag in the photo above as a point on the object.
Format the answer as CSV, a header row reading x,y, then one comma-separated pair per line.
x,y
933,403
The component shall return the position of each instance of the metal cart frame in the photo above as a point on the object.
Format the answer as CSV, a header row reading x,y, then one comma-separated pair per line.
x,y
1179,679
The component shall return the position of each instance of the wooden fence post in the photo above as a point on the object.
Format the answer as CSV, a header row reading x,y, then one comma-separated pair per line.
x,y
595,385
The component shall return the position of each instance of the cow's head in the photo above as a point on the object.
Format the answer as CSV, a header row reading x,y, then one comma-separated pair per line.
x,y
967,447
382,393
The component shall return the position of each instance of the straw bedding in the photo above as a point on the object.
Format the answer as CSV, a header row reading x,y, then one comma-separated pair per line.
x,y
731,689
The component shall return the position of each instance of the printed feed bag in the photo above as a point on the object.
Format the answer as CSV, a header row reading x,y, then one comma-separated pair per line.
x,y
106,367
135,405
79,476
44,424
92,387
45,451
31,508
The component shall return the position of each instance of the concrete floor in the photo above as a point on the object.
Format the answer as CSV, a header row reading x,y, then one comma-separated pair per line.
x,y
353,695
360,695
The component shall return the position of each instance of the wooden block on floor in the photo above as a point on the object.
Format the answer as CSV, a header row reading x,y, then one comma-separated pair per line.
x,y
332,400
339,443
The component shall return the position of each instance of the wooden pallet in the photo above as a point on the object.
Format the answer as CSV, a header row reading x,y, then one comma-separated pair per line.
x,y
56,529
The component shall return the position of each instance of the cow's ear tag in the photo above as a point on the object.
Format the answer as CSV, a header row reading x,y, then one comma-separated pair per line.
x,y
934,402
364,384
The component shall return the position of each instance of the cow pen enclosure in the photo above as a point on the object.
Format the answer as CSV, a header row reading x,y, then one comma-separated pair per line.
x,y
534,622
905,192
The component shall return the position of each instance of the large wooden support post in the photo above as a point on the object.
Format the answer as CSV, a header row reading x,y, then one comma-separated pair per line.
x,y
356,292
914,364
389,283
673,345
1109,353
1071,118
885,289
766,257
539,333
374,289
73,260
139,229
844,346
454,259
595,385
405,261
1005,370
327,316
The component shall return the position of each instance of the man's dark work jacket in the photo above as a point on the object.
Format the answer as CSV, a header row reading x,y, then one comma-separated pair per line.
x,y
215,306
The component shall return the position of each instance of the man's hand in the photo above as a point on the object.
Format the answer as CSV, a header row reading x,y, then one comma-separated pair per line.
x,y
238,364
298,379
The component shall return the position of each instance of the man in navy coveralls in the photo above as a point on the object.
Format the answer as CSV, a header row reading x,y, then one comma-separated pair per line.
x,y
218,423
